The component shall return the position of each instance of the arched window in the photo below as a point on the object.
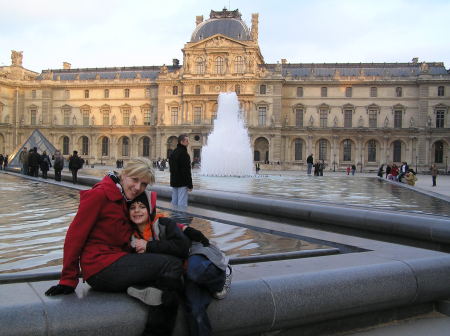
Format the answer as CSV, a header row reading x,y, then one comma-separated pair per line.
x,y
219,65
105,146
239,64
298,149
347,144
84,145
200,66
397,151
438,152
323,149
146,147
372,151
125,146
65,145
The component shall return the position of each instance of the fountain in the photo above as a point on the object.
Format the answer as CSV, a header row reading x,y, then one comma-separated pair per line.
x,y
228,152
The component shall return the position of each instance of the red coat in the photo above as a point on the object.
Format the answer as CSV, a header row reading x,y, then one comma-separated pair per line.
x,y
98,235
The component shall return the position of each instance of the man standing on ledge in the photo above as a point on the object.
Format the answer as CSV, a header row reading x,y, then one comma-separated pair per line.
x,y
310,161
180,172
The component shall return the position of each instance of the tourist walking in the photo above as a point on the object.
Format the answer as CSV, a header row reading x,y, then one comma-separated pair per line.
x,y
310,162
5,161
58,165
75,163
45,164
98,242
180,172
434,173
23,159
33,161
353,169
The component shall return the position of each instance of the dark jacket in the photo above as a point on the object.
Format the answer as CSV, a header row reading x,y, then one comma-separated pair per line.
x,y
34,159
75,162
310,159
45,162
180,168
59,163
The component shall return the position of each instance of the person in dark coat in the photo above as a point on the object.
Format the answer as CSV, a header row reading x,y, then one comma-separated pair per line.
x,y
388,170
45,164
180,172
75,163
58,165
1,161
309,162
33,162
381,171
5,162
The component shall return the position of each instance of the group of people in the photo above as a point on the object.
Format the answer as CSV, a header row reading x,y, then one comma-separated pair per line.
x,y
3,161
319,166
160,164
31,162
351,169
396,173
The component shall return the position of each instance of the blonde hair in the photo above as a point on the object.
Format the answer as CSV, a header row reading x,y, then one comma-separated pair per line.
x,y
141,168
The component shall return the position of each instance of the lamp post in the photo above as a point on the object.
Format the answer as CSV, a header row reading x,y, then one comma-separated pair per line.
x,y
334,163
416,164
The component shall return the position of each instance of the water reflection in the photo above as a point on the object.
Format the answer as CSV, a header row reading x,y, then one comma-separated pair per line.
x,y
35,217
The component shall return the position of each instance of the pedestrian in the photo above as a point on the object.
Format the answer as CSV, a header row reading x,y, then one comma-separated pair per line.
x,y
5,161
316,169
58,165
45,164
348,170
33,161
309,162
381,171
2,158
353,169
75,163
180,172
321,168
388,170
434,173
23,159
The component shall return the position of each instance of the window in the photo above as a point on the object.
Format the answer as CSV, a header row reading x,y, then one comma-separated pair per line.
x,y
298,149
347,150
65,145
84,145
197,89
106,93
174,115
146,147
299,91
372,151
323,117
398,91
175,90
323,92
262,89
239,64
105,146
373,91
373,115
85,114
33,114
348,92
125,146
348,118
219,65
66,114
126,93
299,117
441,91
197,115
438,152
440,114
33,94
398,114
66,94
86,93
200,66
322,149
262,115
126,117
237,89
397,151
105,114
147,116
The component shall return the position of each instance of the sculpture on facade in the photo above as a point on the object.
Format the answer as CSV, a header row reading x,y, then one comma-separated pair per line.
x,y
16,57
361,122
386,122
412,123
311,121
335,121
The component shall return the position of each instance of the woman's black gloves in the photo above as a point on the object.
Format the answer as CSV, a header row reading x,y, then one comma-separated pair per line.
x,y
59,289
196,235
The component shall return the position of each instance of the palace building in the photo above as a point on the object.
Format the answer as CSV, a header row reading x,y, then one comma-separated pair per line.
x,y
365,114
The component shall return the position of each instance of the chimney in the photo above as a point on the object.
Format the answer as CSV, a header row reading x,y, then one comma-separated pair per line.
x,y
176,62
198,19
66,65
283,61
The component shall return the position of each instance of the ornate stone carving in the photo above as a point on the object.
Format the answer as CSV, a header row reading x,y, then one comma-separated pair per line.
x,y
311,121
16,57
412,123
386,122
335,121
424,67
164,69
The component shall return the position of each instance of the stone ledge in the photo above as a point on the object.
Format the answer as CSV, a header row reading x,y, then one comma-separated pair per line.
x,y
252,306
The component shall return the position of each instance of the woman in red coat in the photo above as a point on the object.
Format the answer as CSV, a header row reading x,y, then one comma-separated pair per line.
x,y
98,243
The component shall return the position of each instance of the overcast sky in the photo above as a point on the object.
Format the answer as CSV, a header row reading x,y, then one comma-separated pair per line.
x,y
110,33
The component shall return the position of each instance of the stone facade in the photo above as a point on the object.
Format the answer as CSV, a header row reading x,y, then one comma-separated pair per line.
x,y
365,114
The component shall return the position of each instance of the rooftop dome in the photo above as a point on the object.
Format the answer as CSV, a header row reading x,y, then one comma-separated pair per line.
x,y
228,23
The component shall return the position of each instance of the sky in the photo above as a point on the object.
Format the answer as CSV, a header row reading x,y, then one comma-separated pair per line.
x,y
116,33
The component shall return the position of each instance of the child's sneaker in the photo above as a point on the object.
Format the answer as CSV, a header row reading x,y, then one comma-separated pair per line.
x,y
151,296
226,287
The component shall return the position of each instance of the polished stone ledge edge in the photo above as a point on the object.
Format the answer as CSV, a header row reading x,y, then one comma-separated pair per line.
x,y
252,306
